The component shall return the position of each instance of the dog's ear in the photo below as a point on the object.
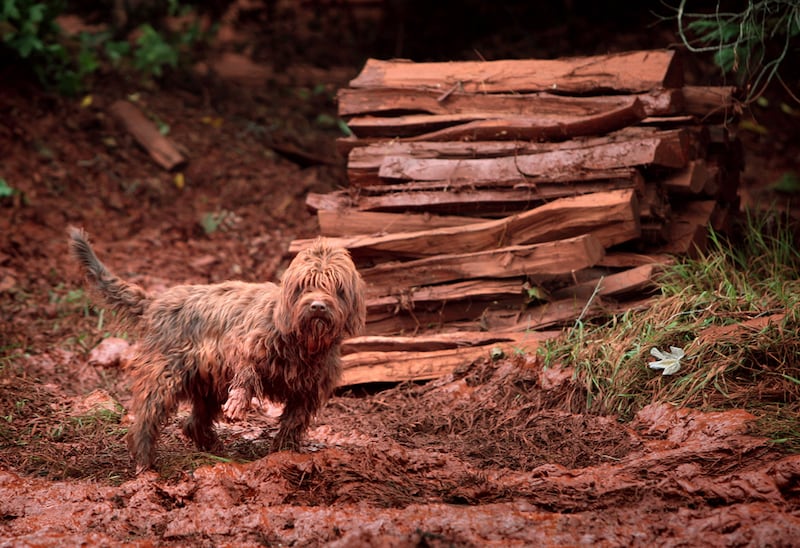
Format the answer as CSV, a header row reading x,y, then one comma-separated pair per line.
x,y
282,315
357,320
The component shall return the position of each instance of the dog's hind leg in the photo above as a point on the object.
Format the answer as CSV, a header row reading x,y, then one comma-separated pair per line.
x,y
156,392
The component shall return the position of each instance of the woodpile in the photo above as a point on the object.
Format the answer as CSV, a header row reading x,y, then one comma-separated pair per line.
x,y
490,201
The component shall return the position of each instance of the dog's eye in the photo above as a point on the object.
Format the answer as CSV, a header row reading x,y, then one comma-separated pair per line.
x,y
341,293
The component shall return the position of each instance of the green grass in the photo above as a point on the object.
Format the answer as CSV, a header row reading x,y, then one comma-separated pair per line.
x,y
735,313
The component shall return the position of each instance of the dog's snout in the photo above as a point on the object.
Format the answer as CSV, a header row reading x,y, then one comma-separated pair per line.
x,y
318,307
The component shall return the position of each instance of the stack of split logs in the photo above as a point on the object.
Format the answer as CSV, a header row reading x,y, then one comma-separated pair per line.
x,y
491,201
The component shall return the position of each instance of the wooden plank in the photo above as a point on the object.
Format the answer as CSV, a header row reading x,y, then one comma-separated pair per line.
x,y
348,222
399,314
566,175
480,126
611,216
369,367
462,198
370,157
435,315
484,289
632,72
545,316
160,148
558,313
657,102
484,149
550,128
669,149
709,101
574,179
417,308
628,259
633,280
541,261
428,342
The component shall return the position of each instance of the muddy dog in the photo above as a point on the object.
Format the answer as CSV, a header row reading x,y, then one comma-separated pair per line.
x,y
228,342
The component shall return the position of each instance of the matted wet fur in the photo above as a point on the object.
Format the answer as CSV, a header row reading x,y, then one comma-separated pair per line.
x,y
225,343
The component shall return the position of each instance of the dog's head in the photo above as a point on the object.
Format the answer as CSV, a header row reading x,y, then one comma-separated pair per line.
x,y
322,296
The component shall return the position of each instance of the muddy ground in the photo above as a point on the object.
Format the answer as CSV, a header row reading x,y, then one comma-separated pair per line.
x,y
499,453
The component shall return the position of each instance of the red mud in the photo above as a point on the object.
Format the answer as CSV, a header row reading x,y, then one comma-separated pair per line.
x,y
687,478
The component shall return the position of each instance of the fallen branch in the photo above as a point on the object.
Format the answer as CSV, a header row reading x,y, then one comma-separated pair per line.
x,y
160,148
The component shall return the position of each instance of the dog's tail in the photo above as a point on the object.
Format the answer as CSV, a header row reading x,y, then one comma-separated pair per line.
x,y
129,299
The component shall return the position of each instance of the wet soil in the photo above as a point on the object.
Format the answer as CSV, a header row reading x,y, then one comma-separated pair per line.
x,y
496,454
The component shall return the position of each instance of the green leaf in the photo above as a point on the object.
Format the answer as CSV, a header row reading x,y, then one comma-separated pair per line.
x,y
324,120
116,51
36,13
788,182
25,44
6,190
10,10
87,62
344,128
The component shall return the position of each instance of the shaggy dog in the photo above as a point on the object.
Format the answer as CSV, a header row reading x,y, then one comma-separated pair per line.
x,y
225,343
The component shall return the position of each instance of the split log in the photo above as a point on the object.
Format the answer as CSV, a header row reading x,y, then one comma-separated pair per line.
x,y
463,198
160,148
349,222
428,342
415,308
668,149
545,316
668,122
436,316
515,316
629,72
565,182
612,217
540,261
365,162
628,259
486,126
384,101
690,180
558,313
709,101
485,290
634,280
689,228
369,367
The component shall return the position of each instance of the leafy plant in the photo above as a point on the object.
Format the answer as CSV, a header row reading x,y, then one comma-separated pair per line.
x,y
153,52
752,43
28,28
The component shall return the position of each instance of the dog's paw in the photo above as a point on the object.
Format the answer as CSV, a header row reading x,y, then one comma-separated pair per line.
x,y
285,441
237,405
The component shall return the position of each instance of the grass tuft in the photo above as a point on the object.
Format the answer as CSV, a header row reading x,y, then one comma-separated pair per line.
x,y
734,311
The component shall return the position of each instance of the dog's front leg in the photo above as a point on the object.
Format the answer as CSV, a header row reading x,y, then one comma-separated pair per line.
x,y
297,415
245,384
